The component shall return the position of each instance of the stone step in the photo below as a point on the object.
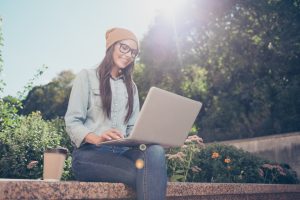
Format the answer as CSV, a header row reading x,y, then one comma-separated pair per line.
x,y
39,189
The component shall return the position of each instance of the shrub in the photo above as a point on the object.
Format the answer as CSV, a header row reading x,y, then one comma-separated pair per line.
x,y
181,162
8,113
278,173
23,146
65,141
221,163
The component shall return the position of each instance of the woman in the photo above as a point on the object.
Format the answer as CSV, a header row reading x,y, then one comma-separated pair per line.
x,y
103,106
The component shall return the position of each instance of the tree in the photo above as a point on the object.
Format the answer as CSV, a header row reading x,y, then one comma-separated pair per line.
x,y
50,99
248,51
2,84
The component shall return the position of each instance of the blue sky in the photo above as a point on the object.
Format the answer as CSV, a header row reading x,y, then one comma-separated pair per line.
x,y
62,34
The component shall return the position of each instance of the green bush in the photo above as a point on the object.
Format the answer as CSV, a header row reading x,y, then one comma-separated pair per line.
x,y
65,141
23,145
8,113
222,163
278,173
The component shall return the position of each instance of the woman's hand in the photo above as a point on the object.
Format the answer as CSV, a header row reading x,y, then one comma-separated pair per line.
x,y
111,134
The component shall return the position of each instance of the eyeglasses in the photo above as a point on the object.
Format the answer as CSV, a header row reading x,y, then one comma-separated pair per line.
x,y
124,48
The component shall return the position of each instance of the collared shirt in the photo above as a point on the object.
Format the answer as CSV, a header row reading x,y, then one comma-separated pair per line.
x,y
85,114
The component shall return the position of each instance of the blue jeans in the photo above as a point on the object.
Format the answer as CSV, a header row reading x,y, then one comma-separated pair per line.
x,y
118,164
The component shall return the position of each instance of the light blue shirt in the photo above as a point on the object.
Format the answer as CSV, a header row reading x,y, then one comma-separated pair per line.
x,y
85,114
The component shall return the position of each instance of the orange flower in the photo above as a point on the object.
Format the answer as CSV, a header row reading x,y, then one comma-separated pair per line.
x,y
215,155
227,160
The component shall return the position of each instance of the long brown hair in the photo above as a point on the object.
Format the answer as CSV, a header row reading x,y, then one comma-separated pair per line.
x,y
104,70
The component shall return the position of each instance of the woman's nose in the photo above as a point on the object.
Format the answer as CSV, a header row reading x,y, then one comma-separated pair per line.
x,y
128,54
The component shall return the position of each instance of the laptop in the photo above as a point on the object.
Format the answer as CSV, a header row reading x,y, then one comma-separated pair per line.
x,y
165,118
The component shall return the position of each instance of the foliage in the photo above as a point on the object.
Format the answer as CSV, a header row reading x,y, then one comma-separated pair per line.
x,y
2,84
9,106
222,163
22,94
8,112
247,52
60,127
182,161
50,99
277,173
23,146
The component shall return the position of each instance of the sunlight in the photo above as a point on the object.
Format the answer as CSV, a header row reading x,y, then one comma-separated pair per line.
x,y
169,8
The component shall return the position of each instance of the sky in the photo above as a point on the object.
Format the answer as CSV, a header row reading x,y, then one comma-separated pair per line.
x,y
63,35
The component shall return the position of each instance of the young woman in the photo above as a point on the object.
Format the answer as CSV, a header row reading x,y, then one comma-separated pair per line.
x,y
103,106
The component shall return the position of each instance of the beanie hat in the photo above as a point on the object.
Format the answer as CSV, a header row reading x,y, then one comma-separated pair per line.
x,y
116,34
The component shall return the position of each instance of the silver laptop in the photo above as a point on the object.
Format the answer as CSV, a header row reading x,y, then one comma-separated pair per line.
x,y
165,119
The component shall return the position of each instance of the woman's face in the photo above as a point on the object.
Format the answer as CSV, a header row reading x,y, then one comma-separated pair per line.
x,y
124,53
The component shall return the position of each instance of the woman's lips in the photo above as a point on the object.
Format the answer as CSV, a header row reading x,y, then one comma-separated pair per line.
x,y
124,60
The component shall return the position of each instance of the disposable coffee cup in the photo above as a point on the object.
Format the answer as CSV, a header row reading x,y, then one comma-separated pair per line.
x,y
54,160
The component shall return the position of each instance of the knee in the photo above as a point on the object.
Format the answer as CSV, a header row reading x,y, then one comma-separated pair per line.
x,y
155,151
155,159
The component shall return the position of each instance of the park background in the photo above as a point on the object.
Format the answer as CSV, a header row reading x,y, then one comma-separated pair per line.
x,y
240,58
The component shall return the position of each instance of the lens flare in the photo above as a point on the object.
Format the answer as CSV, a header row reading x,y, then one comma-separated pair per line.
x,y
139,164
167,7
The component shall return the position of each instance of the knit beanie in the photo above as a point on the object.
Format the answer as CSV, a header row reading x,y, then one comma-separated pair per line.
x,y
116,34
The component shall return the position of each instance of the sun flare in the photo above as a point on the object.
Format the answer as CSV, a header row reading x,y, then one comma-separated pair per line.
x,y
166,7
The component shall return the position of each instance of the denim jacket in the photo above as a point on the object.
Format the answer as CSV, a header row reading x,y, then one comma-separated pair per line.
x,y
85,114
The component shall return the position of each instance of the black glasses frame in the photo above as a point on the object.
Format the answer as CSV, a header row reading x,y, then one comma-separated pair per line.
x,y
133,52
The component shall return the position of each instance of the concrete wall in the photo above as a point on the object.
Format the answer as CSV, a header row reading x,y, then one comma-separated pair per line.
x,y
281,148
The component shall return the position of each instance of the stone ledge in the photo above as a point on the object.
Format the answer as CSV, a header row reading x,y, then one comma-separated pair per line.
x,y
38,189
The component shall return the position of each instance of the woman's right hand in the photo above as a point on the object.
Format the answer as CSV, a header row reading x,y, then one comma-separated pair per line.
x,y
111,134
